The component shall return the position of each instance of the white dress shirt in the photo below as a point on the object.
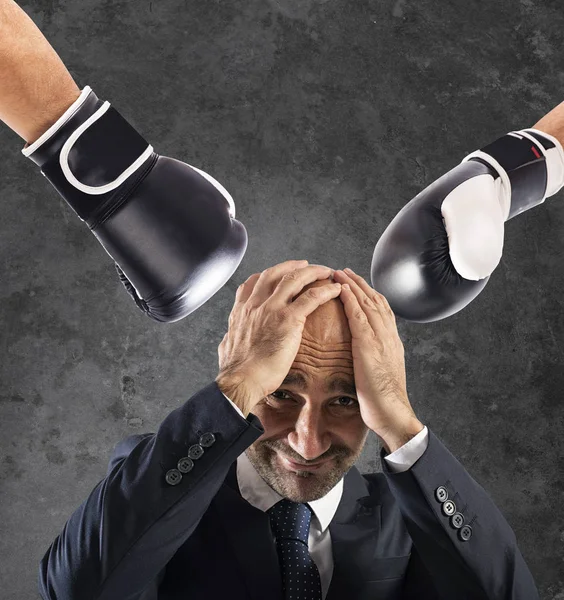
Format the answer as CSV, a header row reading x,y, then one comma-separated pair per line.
x,y
258,493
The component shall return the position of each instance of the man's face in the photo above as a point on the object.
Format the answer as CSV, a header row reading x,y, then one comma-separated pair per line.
x,y
305,420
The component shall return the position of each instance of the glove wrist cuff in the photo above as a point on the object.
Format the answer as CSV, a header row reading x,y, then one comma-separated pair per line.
x,y
520,162
554,154
93,157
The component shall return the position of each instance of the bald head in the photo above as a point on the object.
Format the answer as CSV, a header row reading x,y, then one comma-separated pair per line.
x,y
328,324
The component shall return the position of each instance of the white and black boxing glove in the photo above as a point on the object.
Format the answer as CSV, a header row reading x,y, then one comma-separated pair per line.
x,y
438,252
169,227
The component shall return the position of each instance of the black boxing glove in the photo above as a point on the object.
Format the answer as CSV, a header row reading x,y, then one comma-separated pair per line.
x,y
438,252
169,227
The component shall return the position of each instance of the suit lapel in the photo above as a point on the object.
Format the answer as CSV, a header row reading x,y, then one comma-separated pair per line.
x,y
248,532
354,534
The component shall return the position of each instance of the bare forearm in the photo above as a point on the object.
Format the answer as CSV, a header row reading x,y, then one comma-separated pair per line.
x,y
553,123
35,86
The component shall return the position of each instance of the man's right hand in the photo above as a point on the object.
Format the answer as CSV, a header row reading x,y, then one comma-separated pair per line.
x,y
265,329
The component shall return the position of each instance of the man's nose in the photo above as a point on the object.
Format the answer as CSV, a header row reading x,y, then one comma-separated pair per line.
x,y
310,437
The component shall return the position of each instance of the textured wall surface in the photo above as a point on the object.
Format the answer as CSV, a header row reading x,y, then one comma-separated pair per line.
x,y
322,118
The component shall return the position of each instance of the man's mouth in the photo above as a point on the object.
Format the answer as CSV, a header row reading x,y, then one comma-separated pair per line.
x,y
294,466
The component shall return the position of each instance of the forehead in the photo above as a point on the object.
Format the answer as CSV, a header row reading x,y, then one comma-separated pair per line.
x,y
333,383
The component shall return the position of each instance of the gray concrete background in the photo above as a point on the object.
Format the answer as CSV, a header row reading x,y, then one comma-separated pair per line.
x,y
323,119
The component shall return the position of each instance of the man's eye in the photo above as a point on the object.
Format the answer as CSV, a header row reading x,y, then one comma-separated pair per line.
x,y
351,401
278,392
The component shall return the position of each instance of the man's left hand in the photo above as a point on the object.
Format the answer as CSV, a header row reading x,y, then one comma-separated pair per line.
x,y
378,362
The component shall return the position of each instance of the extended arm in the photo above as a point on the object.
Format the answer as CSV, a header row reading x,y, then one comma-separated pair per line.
x,y
35,86
553,123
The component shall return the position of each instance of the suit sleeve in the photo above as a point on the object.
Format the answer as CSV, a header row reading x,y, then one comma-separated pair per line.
x,y
408,454
150,502
477,559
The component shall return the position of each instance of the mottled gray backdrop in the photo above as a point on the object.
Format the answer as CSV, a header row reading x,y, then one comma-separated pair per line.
x,y
322,118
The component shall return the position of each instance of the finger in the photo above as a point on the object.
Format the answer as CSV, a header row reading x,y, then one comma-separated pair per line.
x,y
358,320
244,290
311,299
378,313
374,311
241,296
269,279
369,291
377,318
294,282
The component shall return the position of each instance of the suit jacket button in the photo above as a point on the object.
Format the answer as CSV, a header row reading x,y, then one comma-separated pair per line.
x,y
457,520
185,464
441,493
449,508
465,533
195,451
173,477
207,440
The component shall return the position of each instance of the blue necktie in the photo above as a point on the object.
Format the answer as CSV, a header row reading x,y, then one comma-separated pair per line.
x,y
290,524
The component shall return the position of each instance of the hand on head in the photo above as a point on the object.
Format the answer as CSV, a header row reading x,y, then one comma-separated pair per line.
x,y
265,328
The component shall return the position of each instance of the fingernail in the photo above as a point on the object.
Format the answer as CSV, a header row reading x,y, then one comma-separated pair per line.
x,y
347,270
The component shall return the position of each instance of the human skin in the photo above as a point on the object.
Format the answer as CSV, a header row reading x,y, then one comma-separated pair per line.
x,y
36,88
309,425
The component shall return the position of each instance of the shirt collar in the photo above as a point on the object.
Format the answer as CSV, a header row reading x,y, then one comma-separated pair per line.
x,y
257,492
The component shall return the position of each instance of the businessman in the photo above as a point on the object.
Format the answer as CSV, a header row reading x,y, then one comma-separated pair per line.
x,y
249,489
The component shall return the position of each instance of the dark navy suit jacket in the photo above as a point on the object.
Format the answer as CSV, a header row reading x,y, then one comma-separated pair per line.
x,y
143,535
